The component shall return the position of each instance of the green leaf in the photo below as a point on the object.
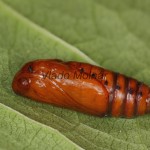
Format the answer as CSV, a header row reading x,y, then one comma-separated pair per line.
x,y
113,34
18,131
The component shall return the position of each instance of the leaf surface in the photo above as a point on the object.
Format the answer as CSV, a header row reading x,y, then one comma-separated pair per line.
x,y
112,34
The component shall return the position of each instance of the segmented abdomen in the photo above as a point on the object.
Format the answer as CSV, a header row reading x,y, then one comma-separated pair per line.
x,y
127,96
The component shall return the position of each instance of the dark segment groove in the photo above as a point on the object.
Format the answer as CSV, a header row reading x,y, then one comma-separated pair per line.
x,y
126,93
111,95
136,98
